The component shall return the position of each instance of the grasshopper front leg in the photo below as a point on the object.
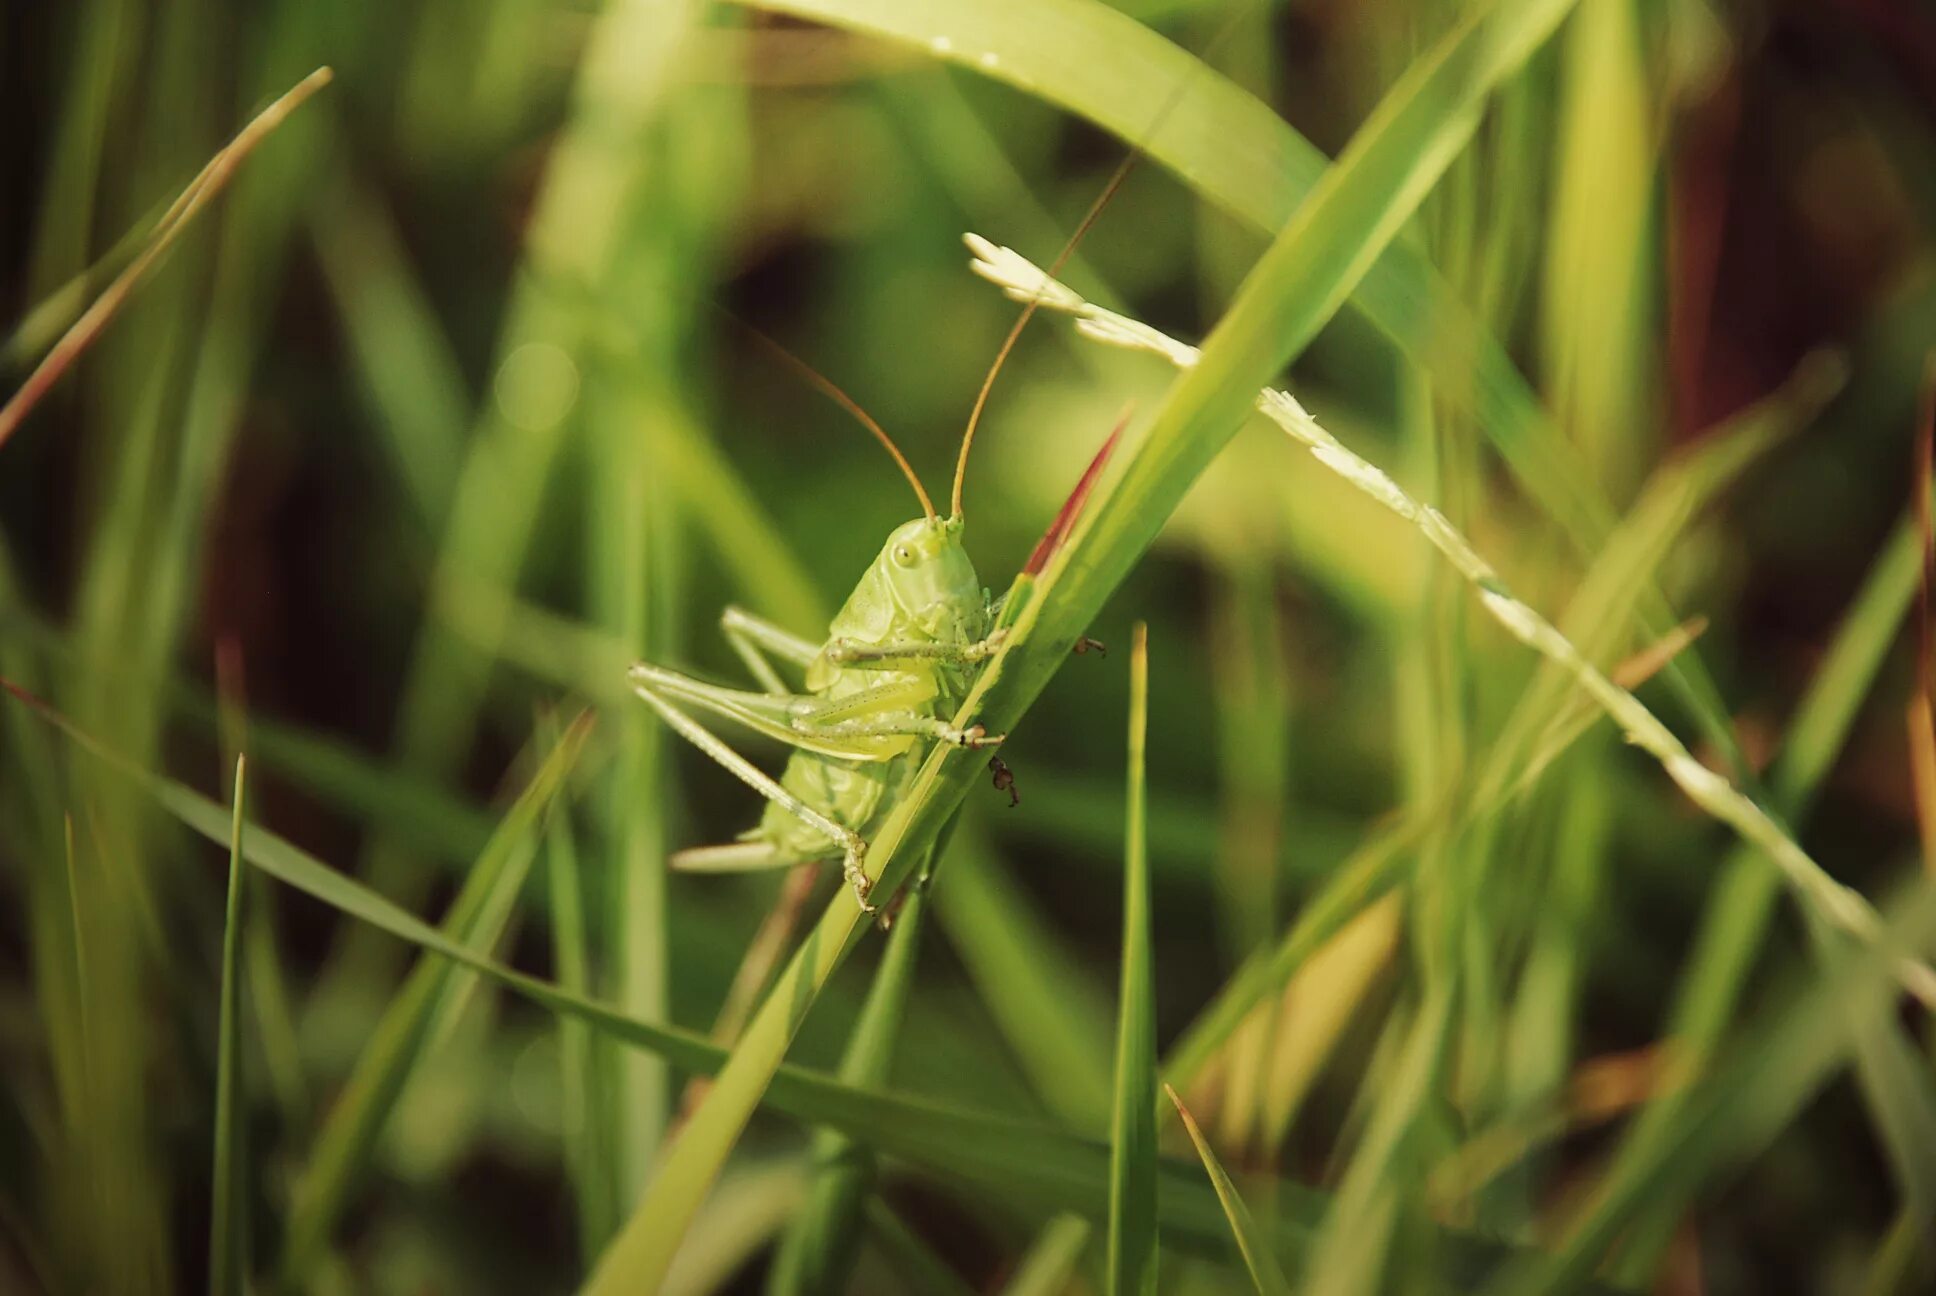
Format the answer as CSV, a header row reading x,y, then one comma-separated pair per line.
x,y
910,724
753,637
888,656
870,725
893,654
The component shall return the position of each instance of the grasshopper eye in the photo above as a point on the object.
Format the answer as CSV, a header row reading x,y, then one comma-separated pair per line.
x,y
903,555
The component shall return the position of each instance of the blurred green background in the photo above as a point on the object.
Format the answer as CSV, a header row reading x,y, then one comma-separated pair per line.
x,y
441,414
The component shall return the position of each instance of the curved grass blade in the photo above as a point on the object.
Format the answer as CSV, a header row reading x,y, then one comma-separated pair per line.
x,y
203,188
1258,1259
228,1225
1132,1149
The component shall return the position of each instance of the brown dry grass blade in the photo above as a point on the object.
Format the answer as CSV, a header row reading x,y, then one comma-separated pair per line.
x,y
206,184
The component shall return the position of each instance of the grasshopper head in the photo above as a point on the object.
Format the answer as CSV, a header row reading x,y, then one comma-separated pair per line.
x,y
927,571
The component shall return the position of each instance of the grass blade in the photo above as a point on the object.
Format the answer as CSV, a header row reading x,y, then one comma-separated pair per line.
x,y
228,1226
209,182
1258,1259
1049,1265
586,1156
1367,877
407,365
1132,1151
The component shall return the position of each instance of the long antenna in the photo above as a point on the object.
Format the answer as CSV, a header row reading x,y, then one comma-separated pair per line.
x,y
1021,321
1068,249
827,388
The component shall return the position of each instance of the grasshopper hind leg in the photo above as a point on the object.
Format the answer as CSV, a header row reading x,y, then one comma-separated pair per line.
x,y
755,856
852,847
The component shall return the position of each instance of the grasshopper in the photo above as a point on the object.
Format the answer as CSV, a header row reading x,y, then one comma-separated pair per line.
x,y
899,658
897,662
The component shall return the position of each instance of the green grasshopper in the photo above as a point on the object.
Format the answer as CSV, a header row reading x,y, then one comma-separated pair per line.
x,y
898,660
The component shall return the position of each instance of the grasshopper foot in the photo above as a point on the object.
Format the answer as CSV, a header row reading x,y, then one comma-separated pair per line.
x,y
858,881
991,645
972,736
1086,645
1005,780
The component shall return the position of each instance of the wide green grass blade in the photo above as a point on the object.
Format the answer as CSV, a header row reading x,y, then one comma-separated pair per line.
x,y
1265,1273
432,993
817,1253
228,1227
1597,287
1132,1146
1250,719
